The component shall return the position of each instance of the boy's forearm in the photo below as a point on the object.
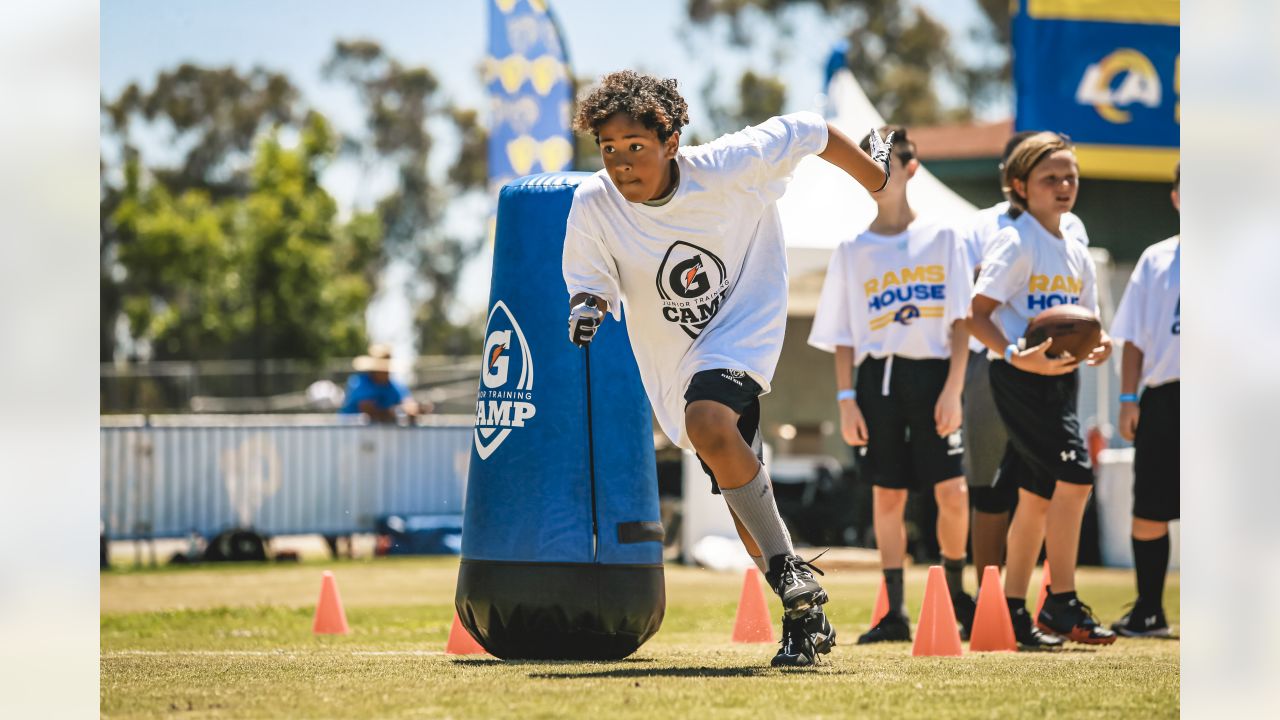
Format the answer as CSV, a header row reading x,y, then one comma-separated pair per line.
x,y
846,155
983,328
959,357
844,367
1130,368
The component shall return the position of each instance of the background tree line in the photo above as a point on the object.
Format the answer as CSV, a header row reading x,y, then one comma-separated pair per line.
x,y
224,244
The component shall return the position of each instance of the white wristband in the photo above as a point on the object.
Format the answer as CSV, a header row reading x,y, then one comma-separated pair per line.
x,y
1008,353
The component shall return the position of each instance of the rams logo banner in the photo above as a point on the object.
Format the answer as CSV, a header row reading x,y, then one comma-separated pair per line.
x,y
530,92
504,401
1105,73
692,285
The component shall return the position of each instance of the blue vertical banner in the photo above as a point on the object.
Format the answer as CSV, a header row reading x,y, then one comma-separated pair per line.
x,y
530,92
1104,72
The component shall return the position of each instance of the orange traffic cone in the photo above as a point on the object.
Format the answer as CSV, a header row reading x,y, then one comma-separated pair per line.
x,y
992,626
936,633
1044,589
753,624
330,618
460,641
882,604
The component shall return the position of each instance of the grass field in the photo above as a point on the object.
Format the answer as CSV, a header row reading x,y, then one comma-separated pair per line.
x,y
237,642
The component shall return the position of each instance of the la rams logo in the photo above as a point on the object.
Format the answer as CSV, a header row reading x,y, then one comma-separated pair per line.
x,y
906,314
1124,77
692,285
504,401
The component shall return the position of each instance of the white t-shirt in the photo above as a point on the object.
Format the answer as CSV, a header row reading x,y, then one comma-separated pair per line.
x,y
895,294
1149,313
1028,270
989,221
703,277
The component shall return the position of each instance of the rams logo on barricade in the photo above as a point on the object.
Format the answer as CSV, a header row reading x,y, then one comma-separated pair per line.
x,y
692,284
1123,77
505,398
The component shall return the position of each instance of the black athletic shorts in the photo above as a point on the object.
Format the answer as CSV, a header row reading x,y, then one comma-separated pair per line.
x,y
736,390
1157,477
903,449
1040,415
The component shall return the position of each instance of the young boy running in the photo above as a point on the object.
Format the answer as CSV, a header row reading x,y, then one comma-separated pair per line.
x,y
1031,266
1149,324
984,435
894,305
689,240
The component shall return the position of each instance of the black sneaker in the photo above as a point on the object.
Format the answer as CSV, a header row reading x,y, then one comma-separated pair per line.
x,y
1140,622
965,609
1029,636
891,628
792,579
1073,620
804,639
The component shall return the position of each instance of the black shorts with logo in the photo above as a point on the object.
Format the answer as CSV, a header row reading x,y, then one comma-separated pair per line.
x,y
737,391
903,448
1157,479
1041,417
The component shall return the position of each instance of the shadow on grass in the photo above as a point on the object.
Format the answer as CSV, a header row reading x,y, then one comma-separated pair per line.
x,y
696,671
491,661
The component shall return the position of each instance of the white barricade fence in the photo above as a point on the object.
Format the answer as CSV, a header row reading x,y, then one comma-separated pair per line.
x,y
168,475
1113,494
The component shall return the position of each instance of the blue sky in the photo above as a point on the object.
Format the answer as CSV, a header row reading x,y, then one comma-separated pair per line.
x,y
141,37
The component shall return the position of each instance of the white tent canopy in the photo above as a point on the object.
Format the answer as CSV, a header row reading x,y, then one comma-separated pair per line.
x,y
823,205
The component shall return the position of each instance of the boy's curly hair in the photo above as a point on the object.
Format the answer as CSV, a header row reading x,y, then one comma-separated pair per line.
x,y
654,103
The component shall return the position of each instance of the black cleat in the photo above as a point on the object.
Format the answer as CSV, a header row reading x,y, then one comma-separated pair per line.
x,y
1140,622
1073,620
1029,636
792,579
804,639
965,609
891,628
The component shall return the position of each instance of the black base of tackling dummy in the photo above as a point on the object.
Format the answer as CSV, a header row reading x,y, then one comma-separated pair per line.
x,y
544,611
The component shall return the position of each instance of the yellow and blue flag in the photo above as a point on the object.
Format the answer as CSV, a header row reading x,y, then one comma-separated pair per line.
x,y
530,92
1104,72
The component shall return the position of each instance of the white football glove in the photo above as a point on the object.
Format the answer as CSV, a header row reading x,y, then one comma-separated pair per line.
x,y
583,321
881,149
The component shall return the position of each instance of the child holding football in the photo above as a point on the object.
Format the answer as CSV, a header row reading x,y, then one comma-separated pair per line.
x,y
1033,265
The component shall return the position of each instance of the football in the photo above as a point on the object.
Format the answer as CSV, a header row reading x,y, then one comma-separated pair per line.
x,y
1073,329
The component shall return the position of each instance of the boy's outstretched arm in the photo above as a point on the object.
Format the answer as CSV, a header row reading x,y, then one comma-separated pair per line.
x,y
871,171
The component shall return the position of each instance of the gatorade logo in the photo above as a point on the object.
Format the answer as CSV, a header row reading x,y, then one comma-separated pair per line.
x,y
504,401
692,285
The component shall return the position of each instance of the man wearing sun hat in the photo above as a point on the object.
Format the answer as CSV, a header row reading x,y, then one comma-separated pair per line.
x,y
371,390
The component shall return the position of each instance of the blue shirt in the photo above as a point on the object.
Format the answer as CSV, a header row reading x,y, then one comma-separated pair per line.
x,y
361,387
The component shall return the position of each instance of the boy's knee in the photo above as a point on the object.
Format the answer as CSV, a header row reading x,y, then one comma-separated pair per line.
x,y
711,427
890,499
952,495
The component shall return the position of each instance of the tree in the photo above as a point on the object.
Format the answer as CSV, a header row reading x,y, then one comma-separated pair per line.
x,y
269,274
214,115
400,102
896,52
